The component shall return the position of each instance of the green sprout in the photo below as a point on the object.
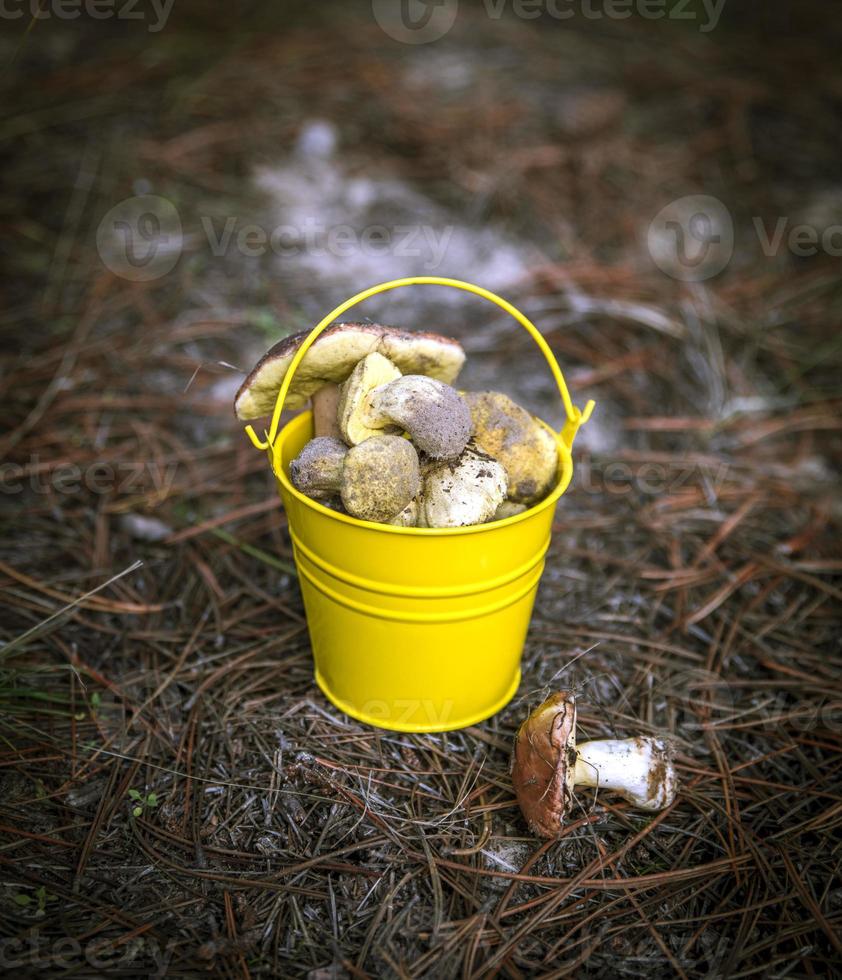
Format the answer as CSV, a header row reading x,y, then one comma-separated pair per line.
x,y
150,800
42,896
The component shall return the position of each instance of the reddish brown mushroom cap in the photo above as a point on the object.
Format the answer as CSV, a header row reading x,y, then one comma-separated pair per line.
x,y
547,762
544,763
333,356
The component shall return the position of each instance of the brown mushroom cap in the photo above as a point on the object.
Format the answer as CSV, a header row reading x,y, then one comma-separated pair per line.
x,y
544,763
334,355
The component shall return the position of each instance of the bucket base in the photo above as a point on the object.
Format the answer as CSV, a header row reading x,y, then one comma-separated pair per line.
x,y
416,727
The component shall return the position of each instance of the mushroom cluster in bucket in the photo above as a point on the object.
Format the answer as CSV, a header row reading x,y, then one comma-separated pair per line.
x,y
393,445
394,442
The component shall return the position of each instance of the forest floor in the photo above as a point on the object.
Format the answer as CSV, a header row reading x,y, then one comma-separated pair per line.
x,y
176,796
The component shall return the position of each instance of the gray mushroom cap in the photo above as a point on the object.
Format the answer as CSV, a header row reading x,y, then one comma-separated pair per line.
x,y
433,413
377,399
317,470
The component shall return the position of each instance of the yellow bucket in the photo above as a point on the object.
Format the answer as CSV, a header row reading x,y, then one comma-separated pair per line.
x,y
416,629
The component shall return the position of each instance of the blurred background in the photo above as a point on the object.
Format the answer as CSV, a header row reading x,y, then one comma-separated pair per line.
x,y
657,184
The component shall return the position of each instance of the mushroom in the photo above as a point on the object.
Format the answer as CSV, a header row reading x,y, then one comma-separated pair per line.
x,y
547,763
378,480
408,517
381,478
525,447
329,361
508,509
467,491
355,420
317,469
376,399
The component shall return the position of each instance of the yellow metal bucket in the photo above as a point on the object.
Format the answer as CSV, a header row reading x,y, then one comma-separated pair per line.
x,y
416,629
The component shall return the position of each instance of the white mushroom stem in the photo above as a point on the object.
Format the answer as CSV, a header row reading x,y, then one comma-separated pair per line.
x,y
640,769
325,403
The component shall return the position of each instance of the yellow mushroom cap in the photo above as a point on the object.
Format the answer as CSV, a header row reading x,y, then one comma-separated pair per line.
x,y
356,420
516,439
380,478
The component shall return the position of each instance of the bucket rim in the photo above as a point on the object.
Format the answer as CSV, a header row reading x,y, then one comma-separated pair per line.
x,y
550,500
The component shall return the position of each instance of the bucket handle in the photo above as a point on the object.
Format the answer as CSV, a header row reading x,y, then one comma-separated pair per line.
x,y
575,416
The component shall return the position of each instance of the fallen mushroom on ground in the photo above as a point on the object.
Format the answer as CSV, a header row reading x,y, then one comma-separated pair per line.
x,y
547,763
393,442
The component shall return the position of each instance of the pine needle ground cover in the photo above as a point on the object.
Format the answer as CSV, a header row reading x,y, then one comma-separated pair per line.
x,y
178,799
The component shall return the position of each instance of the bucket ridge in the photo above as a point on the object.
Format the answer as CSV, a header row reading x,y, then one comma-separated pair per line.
x,y
448,616
418,591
